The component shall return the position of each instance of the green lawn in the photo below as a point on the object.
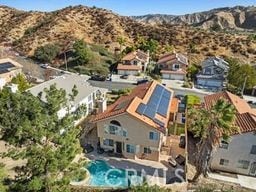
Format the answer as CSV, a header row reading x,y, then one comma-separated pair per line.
x,y
176,129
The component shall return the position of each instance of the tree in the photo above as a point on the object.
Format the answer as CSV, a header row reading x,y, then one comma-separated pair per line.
x,y
47,52
211,126
193,71
121,41
49,144
82,53
238,72
21,81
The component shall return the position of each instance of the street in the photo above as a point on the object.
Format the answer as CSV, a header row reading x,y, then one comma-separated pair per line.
x,y
115,85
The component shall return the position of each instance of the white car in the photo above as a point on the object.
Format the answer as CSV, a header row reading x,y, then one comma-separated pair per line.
x,y
45,66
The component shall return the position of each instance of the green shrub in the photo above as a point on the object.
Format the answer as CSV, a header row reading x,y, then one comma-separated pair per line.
x,y
47,52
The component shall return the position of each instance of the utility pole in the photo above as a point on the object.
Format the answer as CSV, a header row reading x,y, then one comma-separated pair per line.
x,y
65,58
245,80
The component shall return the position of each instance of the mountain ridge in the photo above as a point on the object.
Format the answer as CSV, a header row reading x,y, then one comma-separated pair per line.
x,y
238,18
27,30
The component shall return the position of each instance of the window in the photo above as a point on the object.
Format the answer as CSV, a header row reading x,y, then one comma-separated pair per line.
x,y
130,148
224,145
124,133
135,62
253,150
113,129
153,135
243,164
114,122
108,142
208,71
224,162
147,150
176,66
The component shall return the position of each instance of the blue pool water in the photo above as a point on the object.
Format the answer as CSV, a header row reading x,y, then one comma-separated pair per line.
x,y
103,175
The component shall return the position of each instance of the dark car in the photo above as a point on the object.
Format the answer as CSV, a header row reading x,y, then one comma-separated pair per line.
x,y
180,160
98,78
124,76
182,143
88,148
142,81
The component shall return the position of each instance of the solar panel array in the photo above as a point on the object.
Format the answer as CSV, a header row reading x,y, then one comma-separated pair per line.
x,y
158,103
5,66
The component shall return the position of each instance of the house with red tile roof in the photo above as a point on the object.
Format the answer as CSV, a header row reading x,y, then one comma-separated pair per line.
x,y
239,154
136,124
173,66
133,63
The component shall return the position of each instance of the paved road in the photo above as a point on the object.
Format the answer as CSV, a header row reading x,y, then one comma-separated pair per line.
x,y
114,85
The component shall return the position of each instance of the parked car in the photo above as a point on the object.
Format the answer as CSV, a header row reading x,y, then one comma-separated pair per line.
x,y
142,81
88,148
172,161
180,160
182,143
98,78
124,76
44,66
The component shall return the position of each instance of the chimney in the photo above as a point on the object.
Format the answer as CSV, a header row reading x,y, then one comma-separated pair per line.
x,y
102,105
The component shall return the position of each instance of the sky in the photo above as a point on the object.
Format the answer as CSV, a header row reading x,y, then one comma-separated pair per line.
x,y
130,7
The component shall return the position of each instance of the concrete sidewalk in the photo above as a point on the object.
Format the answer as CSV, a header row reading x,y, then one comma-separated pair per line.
x,y
243,181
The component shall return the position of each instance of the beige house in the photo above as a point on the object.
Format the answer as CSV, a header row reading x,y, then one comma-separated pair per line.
x,y
8,70
136,125
173,66
239,154
133,63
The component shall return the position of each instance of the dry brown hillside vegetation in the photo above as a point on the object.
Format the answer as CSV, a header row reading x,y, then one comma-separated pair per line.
x,y
28,30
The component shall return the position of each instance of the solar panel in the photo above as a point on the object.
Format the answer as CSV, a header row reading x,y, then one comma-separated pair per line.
x,y
150,112
141,108
167,94
163,106
5,66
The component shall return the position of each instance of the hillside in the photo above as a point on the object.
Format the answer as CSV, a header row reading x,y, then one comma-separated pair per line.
x,y
238,18
28,30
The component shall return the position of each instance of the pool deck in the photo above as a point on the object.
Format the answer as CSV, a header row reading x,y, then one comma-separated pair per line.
x,y
156,172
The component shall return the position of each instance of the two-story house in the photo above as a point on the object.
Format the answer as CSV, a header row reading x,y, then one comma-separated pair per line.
x,y
8,69
239,154
87,95
133,63
213,74
136,124
173,66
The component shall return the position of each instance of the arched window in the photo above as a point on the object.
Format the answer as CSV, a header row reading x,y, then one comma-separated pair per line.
x,y
114,122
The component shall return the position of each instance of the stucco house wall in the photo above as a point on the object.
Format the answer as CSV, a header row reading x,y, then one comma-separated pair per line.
x,y
137,135
239,148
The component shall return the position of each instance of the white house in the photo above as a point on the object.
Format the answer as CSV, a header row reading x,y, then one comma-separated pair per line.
x,y
239,154
87,94
213,74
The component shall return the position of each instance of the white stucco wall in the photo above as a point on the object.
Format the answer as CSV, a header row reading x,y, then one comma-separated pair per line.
x,y
126,72
239,148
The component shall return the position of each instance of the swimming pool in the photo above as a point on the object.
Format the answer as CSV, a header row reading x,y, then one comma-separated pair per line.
x,y
103,175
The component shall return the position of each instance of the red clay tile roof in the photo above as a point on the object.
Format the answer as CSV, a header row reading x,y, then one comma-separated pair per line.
x,y
245,117
181,72
139,91
129,104
138,54
173,57
128,67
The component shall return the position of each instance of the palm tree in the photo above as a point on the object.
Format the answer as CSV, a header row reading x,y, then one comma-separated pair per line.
x,y
211,126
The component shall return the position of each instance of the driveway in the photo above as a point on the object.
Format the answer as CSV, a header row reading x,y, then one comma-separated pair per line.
x,y
244,181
